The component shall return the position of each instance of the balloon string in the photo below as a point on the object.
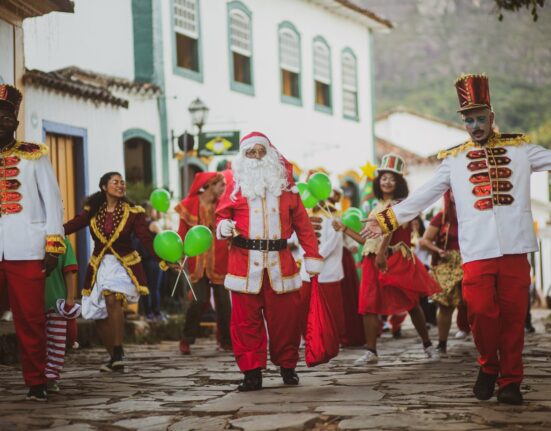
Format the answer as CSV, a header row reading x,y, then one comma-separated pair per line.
x,y
328,214
176,283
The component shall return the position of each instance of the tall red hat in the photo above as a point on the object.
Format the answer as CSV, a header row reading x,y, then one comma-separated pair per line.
x,y
11,96
473,92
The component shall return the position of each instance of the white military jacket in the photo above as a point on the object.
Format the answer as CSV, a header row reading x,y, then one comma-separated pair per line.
x,y
491,187
31,217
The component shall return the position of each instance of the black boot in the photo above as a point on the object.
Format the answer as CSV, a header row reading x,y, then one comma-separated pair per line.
x,y
252,381
510,394
485,385
290,376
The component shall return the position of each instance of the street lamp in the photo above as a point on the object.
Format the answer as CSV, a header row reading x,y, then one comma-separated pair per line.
x,y
198,112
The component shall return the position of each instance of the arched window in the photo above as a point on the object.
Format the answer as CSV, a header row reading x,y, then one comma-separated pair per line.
x,y
187,38
290,63
137,161
322,75
349,84
241,47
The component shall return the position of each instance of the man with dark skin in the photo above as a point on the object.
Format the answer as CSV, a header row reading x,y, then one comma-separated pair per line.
x,y
31,237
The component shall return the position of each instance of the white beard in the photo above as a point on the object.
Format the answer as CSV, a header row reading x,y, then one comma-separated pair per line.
x,y
255,177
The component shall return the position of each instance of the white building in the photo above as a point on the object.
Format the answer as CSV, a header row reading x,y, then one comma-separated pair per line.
x,y
298,70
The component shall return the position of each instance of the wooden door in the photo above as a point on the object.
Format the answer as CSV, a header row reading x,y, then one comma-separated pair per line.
x,y
62,149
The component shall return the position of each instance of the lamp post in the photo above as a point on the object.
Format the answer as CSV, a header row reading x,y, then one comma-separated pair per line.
x,y
198,112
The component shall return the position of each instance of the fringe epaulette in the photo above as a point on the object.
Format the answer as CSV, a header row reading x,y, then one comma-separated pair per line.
x,y
26,150
498,140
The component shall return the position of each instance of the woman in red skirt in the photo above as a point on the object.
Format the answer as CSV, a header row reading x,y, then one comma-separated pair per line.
x,y
393,279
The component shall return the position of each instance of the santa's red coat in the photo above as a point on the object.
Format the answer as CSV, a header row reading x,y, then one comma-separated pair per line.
x,y
268,218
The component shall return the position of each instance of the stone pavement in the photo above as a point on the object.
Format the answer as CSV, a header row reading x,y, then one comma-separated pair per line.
x,y
164,390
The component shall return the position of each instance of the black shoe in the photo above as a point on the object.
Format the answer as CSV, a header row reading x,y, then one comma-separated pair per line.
x,y
510,394
252,381
37,393
397,334
117,362
290,376
485,384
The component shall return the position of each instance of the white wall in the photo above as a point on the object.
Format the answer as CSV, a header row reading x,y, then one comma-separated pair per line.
x,y
304,135
103,126
98,37
7,53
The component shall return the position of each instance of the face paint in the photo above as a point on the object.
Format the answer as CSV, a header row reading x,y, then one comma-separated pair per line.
x,y
478,123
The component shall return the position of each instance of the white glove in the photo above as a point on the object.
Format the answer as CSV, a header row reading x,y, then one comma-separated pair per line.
x,y
226,227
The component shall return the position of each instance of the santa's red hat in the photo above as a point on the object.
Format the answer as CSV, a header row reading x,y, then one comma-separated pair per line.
x,y
250,140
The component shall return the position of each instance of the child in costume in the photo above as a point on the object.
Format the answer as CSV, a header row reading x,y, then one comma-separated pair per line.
x,y
60,292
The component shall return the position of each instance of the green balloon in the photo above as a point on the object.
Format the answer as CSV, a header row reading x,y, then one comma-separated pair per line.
x,y
198,240
320,186
309,200
355,210
352,220
168,245
160,200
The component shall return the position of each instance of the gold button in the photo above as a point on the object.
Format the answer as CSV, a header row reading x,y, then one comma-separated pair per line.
x,y
257,211
256,264
275,237
274,210
274,263
257,237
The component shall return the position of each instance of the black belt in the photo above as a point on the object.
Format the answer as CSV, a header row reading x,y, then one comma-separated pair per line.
x,y
260,244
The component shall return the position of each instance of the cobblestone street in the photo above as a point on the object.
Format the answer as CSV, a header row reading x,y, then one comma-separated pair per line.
x,y
162,389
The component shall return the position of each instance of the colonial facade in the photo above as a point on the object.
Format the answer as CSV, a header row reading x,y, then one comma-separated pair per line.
x,y
300,71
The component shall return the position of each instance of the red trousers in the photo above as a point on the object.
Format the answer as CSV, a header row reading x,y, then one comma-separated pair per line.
x,y
496,293
330,292
281,312
26,281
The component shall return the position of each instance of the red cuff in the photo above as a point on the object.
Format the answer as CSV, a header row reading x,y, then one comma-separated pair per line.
x,y
70,268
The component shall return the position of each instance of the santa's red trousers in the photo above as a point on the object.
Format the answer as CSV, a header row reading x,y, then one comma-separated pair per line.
x,y
330,292
496,293
248,331
25,282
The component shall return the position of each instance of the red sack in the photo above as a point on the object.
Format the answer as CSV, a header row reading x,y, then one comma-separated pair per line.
x,y
322,335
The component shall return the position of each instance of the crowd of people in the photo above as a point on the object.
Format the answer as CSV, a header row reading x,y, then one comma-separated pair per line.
x,y
269,253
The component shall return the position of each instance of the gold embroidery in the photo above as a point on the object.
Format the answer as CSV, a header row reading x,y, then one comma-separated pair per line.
x,y
131,259
55,244
495,141
25,150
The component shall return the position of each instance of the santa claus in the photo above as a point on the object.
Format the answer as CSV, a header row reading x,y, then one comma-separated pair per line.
x,y
260,213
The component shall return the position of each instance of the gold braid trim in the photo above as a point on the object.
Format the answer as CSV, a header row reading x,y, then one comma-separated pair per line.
x,y
126,261
118,296
142,290
108,244
495,141
136,209
387,220
26,150
86,292
131,259
55,244
163,265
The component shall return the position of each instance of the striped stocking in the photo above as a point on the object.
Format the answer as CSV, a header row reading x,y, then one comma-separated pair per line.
x,y
56,336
